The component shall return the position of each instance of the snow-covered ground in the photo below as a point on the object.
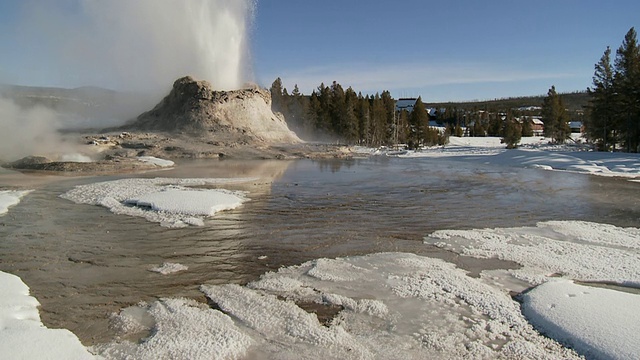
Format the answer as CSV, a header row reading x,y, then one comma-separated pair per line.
x,y
22,335
536,152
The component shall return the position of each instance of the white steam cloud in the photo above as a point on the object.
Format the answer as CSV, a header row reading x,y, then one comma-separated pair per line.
x,y
141,45
28,131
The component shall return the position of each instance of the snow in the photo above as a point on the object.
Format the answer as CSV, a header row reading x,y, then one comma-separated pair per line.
x,y
580,250
599,323
169,268
9,198
535,152
399,305
22,334
391,305
170,202
183,329
156,161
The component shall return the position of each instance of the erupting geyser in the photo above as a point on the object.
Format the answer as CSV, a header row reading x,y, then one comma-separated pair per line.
x,y
144,45
157,41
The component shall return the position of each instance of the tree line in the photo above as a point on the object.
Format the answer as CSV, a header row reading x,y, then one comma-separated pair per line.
x,y
614,111
331,112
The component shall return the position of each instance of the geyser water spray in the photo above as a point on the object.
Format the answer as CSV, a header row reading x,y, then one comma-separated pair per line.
x,y
154,42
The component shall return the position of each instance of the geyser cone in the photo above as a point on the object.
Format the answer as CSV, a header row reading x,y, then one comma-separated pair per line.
x,y
194,107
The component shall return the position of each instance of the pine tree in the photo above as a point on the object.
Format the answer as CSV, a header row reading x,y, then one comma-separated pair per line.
x,y
600,125
555,117
276,95
378,121
419,121
351,125
364,119
527,127
627,82
512,134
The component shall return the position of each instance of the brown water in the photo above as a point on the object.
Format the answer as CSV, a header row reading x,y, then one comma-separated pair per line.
x,y
83,262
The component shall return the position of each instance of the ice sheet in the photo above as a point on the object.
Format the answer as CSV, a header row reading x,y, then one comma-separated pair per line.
x,y
171,202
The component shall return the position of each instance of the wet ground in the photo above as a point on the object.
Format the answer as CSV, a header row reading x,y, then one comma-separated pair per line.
x,y
83,262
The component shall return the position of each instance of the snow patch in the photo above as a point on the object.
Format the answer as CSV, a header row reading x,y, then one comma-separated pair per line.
x,y
599,323
170,202
22,334
9,198
575,249
169,268
184,329
156,161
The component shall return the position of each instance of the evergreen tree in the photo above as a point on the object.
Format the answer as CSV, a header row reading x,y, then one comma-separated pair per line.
x,y
350,127
555,117
512,134
527,126
600,124
378,122
296,112
389,105
494,127
419,121
312,114
276,95
364,119
627,82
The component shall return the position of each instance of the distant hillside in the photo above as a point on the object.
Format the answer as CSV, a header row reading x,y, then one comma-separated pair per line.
x,y
83,107
573,101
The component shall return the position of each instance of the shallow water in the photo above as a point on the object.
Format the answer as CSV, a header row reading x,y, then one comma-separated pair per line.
x,y
83,262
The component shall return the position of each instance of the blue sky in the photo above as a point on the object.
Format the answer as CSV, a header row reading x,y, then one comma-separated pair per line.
x,y
442,51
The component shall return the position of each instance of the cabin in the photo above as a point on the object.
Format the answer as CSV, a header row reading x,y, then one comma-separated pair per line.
x,y
537,126
576,127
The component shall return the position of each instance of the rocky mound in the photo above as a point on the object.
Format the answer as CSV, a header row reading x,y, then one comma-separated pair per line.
x,y
194,107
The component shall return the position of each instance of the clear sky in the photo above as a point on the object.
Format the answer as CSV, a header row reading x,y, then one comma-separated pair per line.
x,y
441,50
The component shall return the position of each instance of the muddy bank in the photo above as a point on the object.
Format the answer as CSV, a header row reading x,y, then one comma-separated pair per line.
x,y
115,153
